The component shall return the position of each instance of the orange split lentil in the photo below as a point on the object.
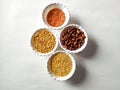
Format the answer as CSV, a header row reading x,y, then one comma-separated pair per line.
x,y
43,41
60,64
56,17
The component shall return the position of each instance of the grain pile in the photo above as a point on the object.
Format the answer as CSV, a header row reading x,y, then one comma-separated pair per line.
x,y
43,41
60,64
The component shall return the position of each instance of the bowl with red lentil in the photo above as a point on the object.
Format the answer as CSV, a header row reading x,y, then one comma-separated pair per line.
x,y
44,41
56,15
73,38
61,65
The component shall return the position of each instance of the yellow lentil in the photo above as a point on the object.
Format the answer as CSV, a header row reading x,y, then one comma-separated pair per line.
x,y
43,41
60,64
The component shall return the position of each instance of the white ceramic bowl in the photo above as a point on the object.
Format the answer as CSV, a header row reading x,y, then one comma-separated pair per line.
x,y
39,53
79,49
52,6
67,76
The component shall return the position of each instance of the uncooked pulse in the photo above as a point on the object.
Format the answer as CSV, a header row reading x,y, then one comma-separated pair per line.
x,y
61,64
73,38
43,41
56,17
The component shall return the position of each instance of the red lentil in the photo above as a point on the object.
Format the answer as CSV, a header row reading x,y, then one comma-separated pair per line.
x,y
56,17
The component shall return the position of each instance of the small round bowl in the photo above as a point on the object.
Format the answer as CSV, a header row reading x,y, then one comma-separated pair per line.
x,y
55,47
62,78
59,6
85,40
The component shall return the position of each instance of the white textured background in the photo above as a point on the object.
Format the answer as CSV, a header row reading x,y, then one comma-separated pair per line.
x,y
98,66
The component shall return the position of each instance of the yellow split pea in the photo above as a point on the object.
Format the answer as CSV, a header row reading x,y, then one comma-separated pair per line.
x,y
43,41
60,64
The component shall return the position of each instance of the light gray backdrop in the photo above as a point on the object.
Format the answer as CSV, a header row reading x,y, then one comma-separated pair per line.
x,y
98,66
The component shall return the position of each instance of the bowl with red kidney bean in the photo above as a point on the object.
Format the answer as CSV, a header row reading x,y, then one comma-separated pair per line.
x,y
73,38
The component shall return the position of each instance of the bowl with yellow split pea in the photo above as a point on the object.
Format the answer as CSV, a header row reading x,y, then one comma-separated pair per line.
x,y
61,65
44,41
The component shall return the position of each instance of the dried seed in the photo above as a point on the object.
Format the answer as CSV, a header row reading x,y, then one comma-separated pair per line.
x,y
56,17
74,38
60,64
78,31
41,40
75,42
